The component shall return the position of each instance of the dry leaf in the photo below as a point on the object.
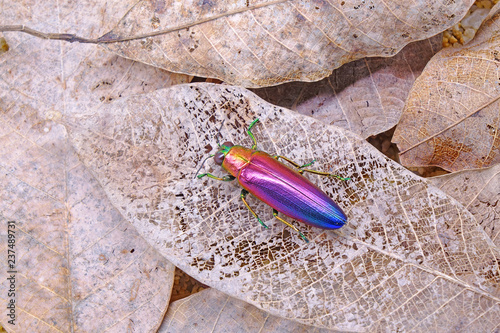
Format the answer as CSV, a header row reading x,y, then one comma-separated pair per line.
x,y
365,96
253,43
86,18
479,192
81,267
452,118
272,42
410,257
212,311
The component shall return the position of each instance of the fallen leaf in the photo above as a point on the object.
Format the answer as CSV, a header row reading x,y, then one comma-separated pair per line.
x,y
265,43
451,118
249,43
212,311
408,258
479,192
80,265
366,96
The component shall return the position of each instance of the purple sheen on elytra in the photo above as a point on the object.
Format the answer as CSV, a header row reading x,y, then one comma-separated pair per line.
x,y
290,193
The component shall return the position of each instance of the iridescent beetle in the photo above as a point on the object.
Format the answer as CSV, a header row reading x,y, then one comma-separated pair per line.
x,y
285,189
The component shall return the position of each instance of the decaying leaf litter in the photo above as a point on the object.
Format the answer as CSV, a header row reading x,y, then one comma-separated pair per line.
x,y
115,95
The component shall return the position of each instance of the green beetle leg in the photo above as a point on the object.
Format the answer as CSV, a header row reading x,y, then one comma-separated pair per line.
x,y
243,195
249,131
301,170
275,213
226,178
326,174
298,166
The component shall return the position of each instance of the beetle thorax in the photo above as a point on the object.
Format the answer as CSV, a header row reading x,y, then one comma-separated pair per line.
x,y
236,158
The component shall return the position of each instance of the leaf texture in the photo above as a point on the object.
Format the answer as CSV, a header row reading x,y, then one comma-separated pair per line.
x,y
265,43
452,118
366,96
212,311
479,192
408,258
81,266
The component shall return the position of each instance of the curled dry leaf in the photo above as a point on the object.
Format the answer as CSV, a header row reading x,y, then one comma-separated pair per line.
x,y
264,43
410,257
212,311
366,96
479,192
452,118
81,266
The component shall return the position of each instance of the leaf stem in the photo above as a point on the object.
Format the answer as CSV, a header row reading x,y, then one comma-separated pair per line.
x,y
111,37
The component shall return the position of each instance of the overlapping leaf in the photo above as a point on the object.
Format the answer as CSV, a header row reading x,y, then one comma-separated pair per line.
x,y
366,96
407,248
252,43
212,311
452,118
80,265
263,43
479,192
75,256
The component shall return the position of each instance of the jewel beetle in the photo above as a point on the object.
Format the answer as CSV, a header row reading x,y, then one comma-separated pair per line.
x,y
283,188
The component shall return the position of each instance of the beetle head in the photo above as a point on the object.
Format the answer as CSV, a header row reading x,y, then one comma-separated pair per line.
x,y
223,150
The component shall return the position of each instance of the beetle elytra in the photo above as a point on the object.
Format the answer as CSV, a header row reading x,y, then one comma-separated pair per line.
x,y
283,188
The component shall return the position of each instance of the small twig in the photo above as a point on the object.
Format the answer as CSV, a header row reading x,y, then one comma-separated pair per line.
x,y
66,37
111,37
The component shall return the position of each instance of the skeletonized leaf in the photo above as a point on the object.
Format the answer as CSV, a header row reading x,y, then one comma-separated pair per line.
x,y
366,96
212,311
263,43
451,118
409,257
479,192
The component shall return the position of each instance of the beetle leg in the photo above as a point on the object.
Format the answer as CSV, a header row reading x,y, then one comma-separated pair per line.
x,y
307,164
275,213
243,196
324,174
226,178
309,170
249,131
288,160
298,166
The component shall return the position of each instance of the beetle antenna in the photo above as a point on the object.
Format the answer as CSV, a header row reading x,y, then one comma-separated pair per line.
x,y
201,166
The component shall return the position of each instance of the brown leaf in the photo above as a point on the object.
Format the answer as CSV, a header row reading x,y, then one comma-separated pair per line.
x,y
479,192
264,43
212,311
366,96
451,118
80,265
409,257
